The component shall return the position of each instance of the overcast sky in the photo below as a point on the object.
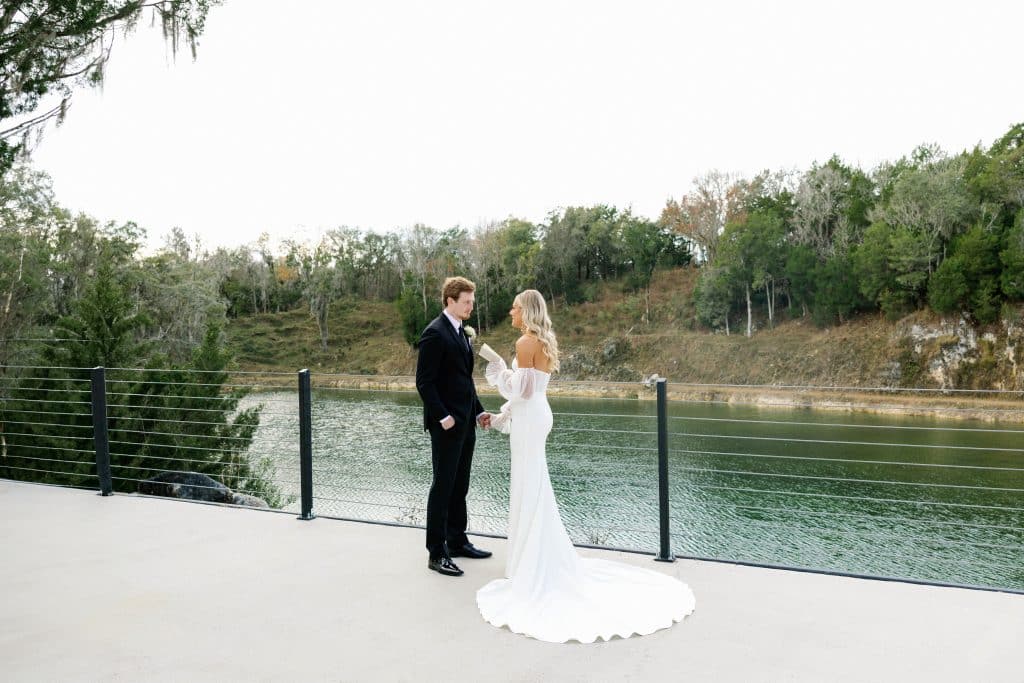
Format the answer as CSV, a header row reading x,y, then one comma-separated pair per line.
x,y
382,114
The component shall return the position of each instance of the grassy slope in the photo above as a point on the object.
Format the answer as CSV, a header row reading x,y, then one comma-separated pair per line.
x,y
365,338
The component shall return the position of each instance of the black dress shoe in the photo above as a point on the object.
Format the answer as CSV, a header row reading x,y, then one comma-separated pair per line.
x,y
444,565
469,550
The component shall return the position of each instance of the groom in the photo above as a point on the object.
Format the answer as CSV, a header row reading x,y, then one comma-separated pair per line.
x,y
444,380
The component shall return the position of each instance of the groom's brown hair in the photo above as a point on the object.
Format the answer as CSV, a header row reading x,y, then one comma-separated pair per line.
x,y
454,287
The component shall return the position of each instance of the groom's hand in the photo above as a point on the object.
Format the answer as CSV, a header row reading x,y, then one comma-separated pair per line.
x,y
484,420
448,423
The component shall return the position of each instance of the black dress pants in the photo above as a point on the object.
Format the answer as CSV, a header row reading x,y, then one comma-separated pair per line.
x,y
452,455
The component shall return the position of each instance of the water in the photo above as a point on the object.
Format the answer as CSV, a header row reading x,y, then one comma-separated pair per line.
x,y
923,498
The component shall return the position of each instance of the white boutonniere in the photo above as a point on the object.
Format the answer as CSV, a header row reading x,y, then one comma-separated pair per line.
x,y
470,332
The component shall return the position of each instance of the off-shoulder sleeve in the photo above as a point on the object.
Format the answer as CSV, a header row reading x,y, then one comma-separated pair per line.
x,y
513,384
502,421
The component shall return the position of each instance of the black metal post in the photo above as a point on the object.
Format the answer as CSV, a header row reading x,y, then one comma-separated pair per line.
x,y
99,430
665,553
306,444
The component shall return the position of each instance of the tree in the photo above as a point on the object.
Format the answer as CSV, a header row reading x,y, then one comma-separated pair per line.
x,y
453,254
319,286
837,296
751,249
930,204
558,260
162,417
646,243
773,193
502,256
910,257
996,177
48,47
378,266
486,253
102,330
47,257
979,249
412,312
23,296
713,297
210,434
800,275
702,214
420,248
343,248
430,256
1012,258
238,290
264,275
769,258
585,243
27,213
830,208
968,279
948,289
179,289
601,227
876,276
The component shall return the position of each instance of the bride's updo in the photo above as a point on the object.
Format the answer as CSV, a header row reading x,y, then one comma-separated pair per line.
x,y
537,322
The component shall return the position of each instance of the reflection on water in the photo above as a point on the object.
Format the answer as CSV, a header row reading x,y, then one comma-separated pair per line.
x,y
908,497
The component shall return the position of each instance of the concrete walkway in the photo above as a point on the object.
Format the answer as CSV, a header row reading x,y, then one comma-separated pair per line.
x,y
140,589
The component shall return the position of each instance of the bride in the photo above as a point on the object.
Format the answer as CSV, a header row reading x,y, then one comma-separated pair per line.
x,y
550,592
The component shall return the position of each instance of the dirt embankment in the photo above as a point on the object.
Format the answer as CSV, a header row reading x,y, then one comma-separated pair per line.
x,y
922,364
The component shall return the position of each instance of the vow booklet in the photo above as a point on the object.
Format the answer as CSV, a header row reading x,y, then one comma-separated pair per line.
x,y
488,353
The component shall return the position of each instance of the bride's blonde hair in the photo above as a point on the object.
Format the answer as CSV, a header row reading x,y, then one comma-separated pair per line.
x,y
537,322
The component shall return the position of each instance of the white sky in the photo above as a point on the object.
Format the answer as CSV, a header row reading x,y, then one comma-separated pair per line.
x,y
382,114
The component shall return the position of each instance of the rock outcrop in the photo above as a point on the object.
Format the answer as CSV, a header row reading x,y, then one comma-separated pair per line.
x,y
953,354
607,361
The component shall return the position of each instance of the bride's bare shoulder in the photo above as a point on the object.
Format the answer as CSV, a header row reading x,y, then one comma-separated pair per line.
x,y
527,343
530,353
526,351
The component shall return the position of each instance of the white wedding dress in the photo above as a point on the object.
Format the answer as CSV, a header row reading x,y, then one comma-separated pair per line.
x,y
550,592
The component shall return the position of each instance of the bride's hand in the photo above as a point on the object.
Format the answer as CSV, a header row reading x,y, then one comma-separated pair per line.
x,y
500,422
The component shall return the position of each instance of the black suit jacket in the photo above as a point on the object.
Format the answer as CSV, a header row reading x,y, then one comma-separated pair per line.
x,y
444,375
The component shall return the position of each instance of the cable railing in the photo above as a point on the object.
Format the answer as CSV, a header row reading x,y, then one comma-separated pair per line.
x,y
939,460
939,500
859,389
125,428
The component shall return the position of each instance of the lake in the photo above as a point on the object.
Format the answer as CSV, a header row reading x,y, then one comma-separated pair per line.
x,y
930,499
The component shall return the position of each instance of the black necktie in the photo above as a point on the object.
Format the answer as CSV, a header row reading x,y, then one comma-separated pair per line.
x,y
462,333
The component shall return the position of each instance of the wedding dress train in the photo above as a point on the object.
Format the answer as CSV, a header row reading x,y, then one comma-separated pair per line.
x,y
550,592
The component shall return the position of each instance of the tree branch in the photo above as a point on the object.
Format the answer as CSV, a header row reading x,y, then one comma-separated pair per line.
x,y
123,13
21,127
8,16
99,59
